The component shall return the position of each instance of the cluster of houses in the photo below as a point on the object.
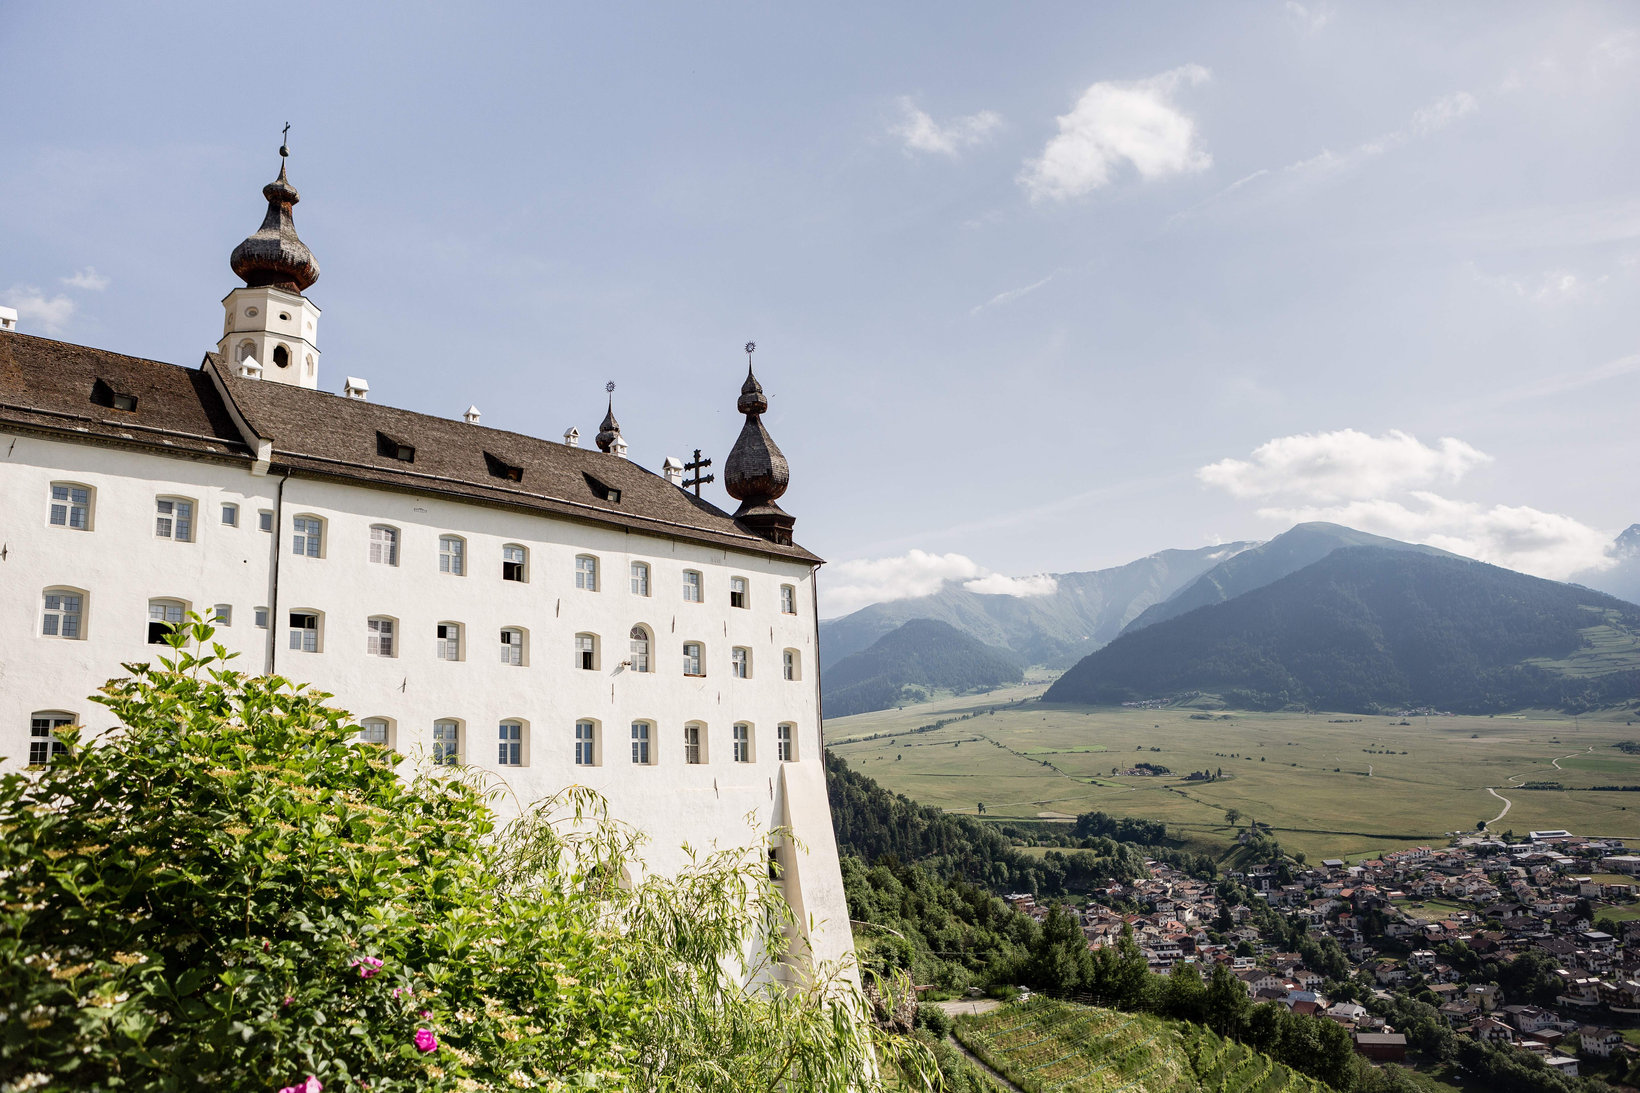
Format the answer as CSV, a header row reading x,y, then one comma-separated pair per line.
x,y
1389,914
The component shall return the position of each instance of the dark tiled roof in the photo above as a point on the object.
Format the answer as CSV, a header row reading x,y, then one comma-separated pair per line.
x,y
58,387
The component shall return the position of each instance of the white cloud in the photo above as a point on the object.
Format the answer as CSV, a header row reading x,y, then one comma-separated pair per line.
x,y
1011,295
49,313
1309,19
1336,466
849,586
1120,122
1547,544
1042,584
1554,286
88,279
1443,112
922,133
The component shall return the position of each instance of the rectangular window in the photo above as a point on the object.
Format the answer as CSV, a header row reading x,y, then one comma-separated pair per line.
x,y
163,617
446,743
692,665
691,745
586,652
379,637
788,600
43,745
783,743
737,592
304,539
512,744
743,743
62,615
640,743
740,663
512,648
262,617
584,740
449,641
384,546
222,614
304,632
640,579
174,520
691,586
512,563
586,573
264,520
372,730
789,664
452,555
230,515
70,507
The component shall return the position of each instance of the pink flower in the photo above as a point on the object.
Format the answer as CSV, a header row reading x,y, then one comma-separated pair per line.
x,y
287,1003
426,1041
312,1085
368,966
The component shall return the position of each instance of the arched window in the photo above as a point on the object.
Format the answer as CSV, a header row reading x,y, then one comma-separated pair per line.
x,y
694,658
514,741
307,536
43,745
642,734
740,662
586,742
640,579
452,555
174,519
71,506
380,634
791,664
586,572
514,563
446,742
64,615
247,350
694,743
449,641
640,649
304,631
513,651
164,616
384,544
281,356
785,742
375,730
743,741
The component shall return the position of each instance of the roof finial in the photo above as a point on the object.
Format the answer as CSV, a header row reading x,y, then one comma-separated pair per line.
x,y
751,347
284,141
756,473
274,255
609,433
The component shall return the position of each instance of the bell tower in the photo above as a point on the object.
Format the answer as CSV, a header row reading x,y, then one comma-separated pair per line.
x,y
270,329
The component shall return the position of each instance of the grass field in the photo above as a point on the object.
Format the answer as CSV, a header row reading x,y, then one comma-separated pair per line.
x,y
1332,785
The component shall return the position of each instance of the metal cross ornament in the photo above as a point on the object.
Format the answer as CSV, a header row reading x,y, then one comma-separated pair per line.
x,y
697,466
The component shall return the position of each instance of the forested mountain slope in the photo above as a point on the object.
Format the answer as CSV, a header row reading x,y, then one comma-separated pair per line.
x,y
905,665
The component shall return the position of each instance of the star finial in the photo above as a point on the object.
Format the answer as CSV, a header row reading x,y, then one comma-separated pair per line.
x,y
610,387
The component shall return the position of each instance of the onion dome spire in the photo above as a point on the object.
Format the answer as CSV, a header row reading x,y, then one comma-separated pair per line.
x,y
756,473
274,256
609,432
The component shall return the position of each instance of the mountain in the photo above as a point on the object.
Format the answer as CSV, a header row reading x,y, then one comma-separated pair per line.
x,y
1623,579
1086,610
905,664
1289,552
1367,629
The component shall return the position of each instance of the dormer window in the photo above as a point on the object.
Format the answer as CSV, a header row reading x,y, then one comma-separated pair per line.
x,y
500,468
392,448
104,393
601,490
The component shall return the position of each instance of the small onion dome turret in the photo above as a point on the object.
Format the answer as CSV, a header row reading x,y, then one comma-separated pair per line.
x,y
610,430
756,474
274,256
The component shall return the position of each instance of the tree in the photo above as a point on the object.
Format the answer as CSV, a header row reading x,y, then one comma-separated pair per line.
x,y
1231,815
227,892
1226,1002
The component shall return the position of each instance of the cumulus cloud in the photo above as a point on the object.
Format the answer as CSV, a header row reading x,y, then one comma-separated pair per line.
x,y
849,586
1113,123
1341,465
88,279
1042,584
1546,544
1443,112
922,133
34,308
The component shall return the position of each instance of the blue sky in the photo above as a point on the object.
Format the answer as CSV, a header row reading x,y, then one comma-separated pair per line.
x,y
1035,287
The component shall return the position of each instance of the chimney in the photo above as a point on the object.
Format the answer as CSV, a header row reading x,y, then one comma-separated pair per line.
x,y
248,369
471,416
356,388
673,470
8,318
572,437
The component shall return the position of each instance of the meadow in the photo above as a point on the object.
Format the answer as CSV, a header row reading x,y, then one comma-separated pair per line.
x,y
1330,785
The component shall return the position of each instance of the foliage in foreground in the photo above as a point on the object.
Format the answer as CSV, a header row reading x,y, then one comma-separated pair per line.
x,y
227,893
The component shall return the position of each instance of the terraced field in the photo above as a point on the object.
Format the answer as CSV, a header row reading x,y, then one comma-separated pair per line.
x,y
1044,1046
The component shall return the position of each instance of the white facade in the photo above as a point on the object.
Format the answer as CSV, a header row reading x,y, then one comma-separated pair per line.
x,y
274,327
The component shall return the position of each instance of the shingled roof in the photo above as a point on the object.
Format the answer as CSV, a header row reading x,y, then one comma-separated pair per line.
x,y
51,386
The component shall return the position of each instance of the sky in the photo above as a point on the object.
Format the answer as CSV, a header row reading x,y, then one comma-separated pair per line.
x,y
1035,288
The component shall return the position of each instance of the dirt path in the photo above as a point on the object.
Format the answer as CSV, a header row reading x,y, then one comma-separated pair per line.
x,y
983,1066
1514,780
1507,805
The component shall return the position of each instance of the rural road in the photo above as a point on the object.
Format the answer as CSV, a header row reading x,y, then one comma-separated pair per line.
x,y
1507,803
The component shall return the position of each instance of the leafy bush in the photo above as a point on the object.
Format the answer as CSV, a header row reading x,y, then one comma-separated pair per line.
x,y
225,892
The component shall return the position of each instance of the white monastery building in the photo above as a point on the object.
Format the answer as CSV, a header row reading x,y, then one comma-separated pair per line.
x,y
552,614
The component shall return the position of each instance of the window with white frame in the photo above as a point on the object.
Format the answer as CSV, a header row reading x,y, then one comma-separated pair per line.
x,y
691,586
694,660
64,615
740,662
446,742
586,652
71,506
452,555
639,638
513,561
374,730
738,596
307,536
304,631
743,742
640,742
640,579
512,744
694,743
449,641
174,519
788,599
222,614
512,646
785,742
261,618
164,616
384,544
43,745
379,636
586,572
586,743
790,665
230,515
